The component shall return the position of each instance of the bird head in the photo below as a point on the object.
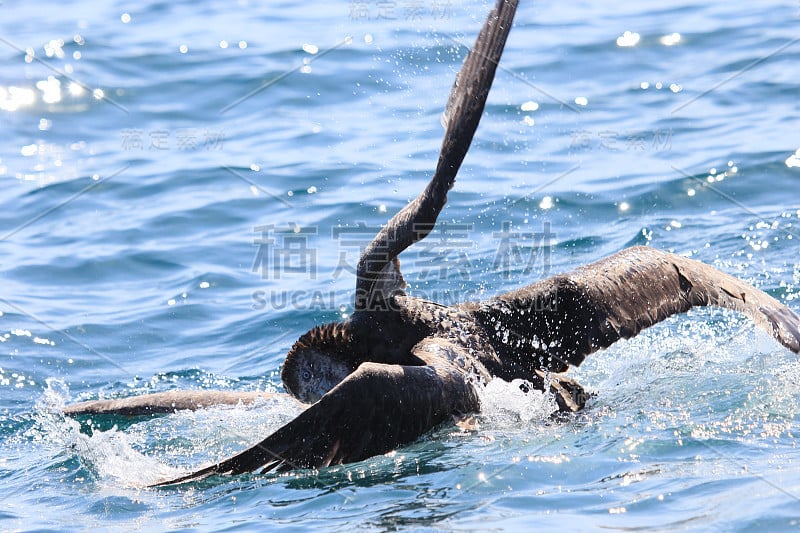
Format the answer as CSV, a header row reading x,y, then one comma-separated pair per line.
x,y
317,362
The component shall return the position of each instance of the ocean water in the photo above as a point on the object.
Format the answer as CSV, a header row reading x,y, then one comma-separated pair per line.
x,y
185,188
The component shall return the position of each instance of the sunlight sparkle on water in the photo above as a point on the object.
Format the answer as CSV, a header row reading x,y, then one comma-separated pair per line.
x,y
13,98
792,161
54,48
29,150
628,39
75,89
51,90
671,39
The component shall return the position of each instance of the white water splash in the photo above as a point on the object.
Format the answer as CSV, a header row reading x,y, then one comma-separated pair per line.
x,y
114,457
505,404
109,455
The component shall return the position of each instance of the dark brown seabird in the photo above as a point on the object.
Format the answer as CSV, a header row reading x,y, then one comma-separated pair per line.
x,y
400,366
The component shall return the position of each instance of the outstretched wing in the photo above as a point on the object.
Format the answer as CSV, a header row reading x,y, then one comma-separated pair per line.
x,y
592,307
374,410
464,108
164,402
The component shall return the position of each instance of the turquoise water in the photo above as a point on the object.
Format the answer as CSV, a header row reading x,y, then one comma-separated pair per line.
x,y
153,176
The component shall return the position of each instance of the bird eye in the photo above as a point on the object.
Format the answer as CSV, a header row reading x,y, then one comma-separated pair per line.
x,y
306,375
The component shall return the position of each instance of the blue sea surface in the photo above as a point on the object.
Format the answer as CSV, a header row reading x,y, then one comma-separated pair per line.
x,y
186,187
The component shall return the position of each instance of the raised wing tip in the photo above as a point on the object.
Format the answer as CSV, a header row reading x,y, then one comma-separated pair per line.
x,y
230,467
785,326
188,478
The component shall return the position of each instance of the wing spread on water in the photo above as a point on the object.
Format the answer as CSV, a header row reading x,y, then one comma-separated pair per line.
x,y
617,297
374,410
164,402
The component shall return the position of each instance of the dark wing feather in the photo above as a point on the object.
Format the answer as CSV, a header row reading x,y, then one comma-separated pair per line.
x,y
163,402
592,307
464,109
374,410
